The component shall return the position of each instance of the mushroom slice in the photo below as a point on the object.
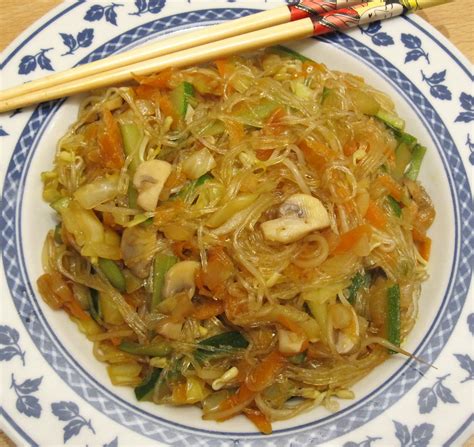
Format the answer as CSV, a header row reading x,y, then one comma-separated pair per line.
x,y
149,179
300,214
348,337
180,278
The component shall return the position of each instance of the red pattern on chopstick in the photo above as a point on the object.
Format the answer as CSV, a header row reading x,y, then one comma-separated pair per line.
x,y
310,8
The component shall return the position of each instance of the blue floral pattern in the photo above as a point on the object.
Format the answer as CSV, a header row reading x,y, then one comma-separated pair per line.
x,y
26,403
69,411
3,132
378,38
97,12
365,443
420,436
413,43
428,397
437,89
466,363
144,6
113,443
470,317
9,346
30,62
83,40
467,103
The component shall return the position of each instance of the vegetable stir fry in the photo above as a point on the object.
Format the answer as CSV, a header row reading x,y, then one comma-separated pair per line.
x,y
247,236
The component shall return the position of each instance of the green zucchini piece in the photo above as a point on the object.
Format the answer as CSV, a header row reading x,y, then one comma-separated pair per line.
x,y
394,206
392,121
132,136
161,264
94,308
113,273
180,97
158,349
144,391
416,159
393,315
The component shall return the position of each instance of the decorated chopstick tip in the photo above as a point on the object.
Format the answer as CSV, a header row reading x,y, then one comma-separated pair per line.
x,y
311,8
367,12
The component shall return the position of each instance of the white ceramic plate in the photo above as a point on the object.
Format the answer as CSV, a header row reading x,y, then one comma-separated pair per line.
x,y
53,391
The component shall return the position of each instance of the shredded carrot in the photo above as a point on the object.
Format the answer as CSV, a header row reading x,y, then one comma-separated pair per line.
x,y
224,67
167,211
159,80
316,154
395,190
290,325
265,372
110,142
349,148
179,393
263,154
351,238
423,243
259,419
243,394
236,132
207,309
273,124
375,216
168,109
235,306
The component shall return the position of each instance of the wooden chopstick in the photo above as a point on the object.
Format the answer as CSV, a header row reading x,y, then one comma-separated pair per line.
x,y
215,50
253,22
315,25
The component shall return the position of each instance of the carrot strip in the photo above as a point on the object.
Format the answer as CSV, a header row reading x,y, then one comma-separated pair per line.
x,y
209,309
264,373
395,190
236,132
351,238
224,67
259,419
160,80
376,216
423,242
110,143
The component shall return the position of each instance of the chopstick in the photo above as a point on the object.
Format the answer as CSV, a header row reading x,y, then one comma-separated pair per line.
x,y
338,20
253,22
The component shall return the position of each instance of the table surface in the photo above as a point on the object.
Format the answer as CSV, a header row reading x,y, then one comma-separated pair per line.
x,y
17,15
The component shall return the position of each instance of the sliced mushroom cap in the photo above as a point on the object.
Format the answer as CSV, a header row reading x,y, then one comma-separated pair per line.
x,y
301,214
180,278
149,179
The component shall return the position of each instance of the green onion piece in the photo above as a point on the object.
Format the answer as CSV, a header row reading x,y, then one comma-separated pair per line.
x,y
94,308
393,315
113,273
188,190
284,51
161,265
224,343
394,206
298,359
157,349
416,159
57,234
326,92
132,137
144,391
391,121
359,280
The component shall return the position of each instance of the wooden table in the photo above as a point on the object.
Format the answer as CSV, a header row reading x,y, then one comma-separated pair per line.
x,y
17,15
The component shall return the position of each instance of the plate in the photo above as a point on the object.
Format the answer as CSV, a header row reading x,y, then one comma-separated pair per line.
x,y
53,390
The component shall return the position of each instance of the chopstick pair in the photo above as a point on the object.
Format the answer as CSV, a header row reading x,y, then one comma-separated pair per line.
x,y
304,19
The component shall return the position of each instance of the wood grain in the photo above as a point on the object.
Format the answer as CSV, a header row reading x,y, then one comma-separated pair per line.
x,y
454,20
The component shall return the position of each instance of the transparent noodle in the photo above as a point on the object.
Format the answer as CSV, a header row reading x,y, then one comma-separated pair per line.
x,y
195,298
